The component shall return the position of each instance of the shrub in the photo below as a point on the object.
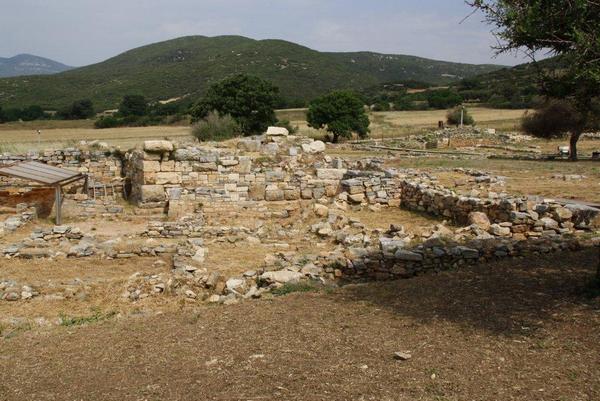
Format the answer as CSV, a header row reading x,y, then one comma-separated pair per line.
x,y
107,122
216,128
453,117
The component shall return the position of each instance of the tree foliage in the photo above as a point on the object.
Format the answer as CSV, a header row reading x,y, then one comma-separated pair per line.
x,y
133,105
78,110
249,100
568,30
341,113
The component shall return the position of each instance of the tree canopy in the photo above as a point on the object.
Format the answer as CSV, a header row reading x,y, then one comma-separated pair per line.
x,y
567,29
133,105
341,113
249,100
78,110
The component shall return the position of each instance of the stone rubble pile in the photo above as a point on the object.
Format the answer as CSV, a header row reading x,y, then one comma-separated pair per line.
x,y
24,215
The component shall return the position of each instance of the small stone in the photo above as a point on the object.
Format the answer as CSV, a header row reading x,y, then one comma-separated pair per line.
x,y
402,356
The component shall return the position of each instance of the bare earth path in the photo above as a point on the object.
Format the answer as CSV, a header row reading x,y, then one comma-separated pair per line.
x,y
515,330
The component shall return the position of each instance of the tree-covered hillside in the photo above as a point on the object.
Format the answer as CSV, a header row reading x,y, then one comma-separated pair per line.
x,y
188,66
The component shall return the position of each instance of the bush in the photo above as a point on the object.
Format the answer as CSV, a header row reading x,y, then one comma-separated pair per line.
x,y
453,117
216,128
107,122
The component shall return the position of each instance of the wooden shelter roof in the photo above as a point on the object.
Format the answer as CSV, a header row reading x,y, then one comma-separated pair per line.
x,y
41,173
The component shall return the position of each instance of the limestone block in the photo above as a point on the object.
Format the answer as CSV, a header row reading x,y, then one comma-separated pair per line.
x,y
167,166
331,173
168,178
313,147
292,194
158,146
152,193
277,131
274,195
256,191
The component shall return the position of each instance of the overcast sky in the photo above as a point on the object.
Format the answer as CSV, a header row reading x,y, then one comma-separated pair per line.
x,y
81,32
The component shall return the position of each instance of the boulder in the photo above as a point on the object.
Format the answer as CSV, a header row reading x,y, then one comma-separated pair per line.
x,y
282,276
480,220
562,214
158,146
321,210
277,131
314,147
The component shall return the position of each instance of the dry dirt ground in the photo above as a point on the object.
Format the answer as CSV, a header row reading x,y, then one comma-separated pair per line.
x,y
516,330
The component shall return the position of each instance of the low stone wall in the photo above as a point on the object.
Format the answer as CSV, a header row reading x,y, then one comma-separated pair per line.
x,y
510,216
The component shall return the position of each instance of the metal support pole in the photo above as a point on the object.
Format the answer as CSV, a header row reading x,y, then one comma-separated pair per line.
x,y
58,202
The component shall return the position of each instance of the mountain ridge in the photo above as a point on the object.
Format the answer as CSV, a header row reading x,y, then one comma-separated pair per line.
x,y
187,66
28,64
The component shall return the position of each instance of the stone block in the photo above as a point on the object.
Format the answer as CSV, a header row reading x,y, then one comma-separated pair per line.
x,y
152,193
168,178
158,146
167,166
292,194
274,195
331,173
150,166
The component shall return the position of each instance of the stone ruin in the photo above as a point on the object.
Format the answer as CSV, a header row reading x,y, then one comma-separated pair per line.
x,y
179,186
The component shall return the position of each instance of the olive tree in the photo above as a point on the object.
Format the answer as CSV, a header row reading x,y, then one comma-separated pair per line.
x,y
566,29
341,113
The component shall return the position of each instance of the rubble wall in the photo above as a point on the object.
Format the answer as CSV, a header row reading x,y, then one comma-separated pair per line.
x,y
510,216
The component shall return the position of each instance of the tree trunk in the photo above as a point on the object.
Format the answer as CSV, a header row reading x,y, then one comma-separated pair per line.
x,y
598,268
573,145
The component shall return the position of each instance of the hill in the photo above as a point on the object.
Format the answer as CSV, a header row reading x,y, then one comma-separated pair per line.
x,y
27,64
188,65
516,87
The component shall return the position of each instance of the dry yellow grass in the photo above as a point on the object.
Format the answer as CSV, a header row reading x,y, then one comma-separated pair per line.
x,y
22,137
400,123
22,140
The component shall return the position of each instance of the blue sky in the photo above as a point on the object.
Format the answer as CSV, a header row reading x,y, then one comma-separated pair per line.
x,y
80,32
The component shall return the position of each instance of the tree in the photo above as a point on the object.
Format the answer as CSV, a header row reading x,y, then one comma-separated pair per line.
x,y
457,114
341,112
249,100
78,110
443,98
133,105
566,29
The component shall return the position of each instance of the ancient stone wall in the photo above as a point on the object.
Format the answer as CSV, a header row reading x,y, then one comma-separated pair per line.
x,y
507,216
102,166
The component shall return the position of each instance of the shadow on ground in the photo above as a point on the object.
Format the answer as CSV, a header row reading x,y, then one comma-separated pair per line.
x,y
507,297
